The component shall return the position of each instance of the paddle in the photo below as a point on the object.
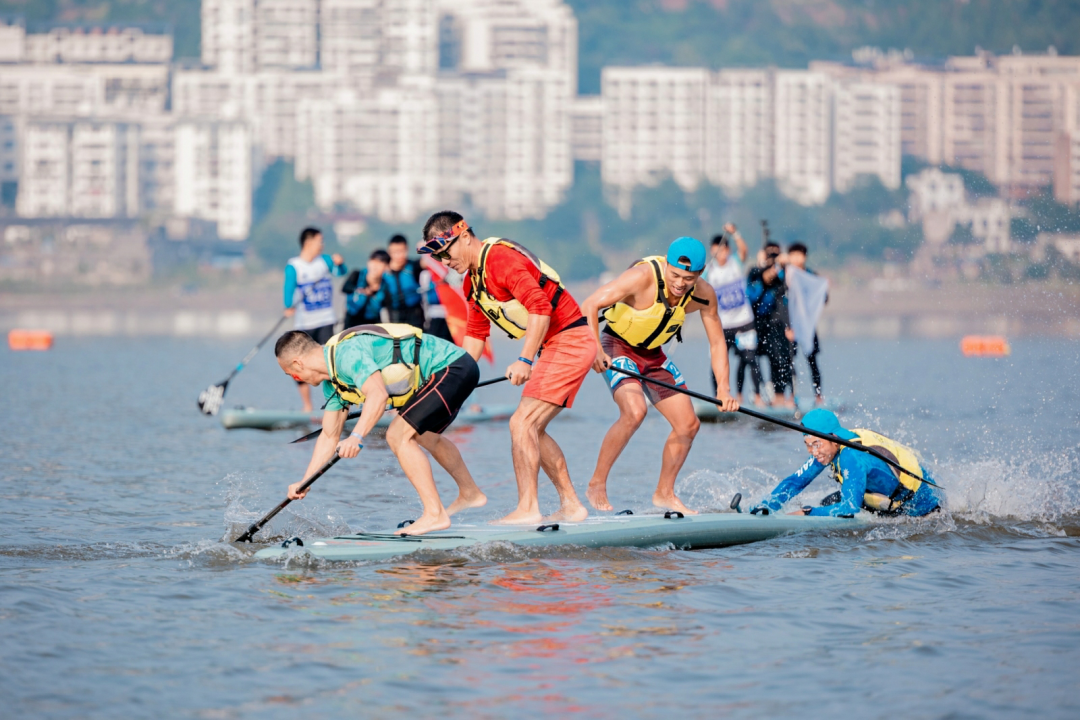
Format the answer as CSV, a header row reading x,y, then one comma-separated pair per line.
x,y
256,527
210,399
356,413
778,421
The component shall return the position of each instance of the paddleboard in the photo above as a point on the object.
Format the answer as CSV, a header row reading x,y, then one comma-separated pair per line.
x,y
253,418
696,532
709,413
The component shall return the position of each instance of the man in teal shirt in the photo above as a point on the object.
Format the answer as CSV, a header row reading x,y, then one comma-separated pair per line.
x,y
427,379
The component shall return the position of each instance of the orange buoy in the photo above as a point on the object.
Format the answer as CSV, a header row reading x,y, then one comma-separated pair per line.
x,y
984,346
30,339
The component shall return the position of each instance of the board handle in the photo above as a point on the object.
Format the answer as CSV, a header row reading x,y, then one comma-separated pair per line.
x,y
552,526
673,514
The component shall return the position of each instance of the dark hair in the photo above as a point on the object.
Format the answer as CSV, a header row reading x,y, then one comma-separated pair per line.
x,y
797,247
308,233
772,245
380,255
292,343
440,222
721,240
398,240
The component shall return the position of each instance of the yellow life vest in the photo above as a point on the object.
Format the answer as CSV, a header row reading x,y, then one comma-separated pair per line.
x,y
402,378
655,325
903,456
511,316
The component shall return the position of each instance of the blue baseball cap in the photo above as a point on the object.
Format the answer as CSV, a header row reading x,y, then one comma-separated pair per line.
x,y
687,248
825,421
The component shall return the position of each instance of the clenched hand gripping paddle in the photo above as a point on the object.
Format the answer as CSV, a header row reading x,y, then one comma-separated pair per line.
x,y
211,398
256,527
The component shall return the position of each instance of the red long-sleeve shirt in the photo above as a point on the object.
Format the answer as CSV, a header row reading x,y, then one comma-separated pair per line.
x,y
511,275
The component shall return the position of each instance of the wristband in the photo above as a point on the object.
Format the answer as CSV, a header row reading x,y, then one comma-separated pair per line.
x,y
525,360
358,437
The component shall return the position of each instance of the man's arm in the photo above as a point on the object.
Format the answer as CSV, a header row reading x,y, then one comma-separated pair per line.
x,y
740,245
622,288
289,290
791,486
375,397
714,330
853,469
332,425
335,264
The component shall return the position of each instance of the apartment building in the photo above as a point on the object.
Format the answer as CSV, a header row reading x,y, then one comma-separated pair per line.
x,y
83,90
100,44
586,127
739,135
377,153
803,125
654,127
286,34
866,134
214,175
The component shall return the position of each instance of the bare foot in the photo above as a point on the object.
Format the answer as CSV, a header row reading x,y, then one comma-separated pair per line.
x,y
520,517
568,513
596,494
463,503
670,502
426,523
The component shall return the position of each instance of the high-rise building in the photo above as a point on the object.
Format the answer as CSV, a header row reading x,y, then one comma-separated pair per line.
x,y
803,115
654,127
586,127
105,44
350,37
213,170
739,129
377,153
866,134
286,34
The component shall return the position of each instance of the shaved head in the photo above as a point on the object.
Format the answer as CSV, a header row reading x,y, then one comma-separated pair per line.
x,y
293,344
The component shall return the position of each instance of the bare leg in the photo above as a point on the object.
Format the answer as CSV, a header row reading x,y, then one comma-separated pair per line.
x,y
632,409
526,427
679,411
405,444
554,463
447,455
305,396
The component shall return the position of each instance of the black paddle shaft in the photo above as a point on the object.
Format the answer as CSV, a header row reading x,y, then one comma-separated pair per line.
x,y
210,399
778,421
254,350
356,413
256,527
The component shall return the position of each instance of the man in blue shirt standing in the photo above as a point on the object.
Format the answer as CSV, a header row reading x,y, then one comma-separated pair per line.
x,y
402,281
866,483
364,291
309,293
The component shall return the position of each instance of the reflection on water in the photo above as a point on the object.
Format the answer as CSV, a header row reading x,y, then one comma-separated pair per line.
x,y
120,600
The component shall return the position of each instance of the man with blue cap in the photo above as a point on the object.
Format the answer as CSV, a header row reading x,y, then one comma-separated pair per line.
x,y
866,482
644,308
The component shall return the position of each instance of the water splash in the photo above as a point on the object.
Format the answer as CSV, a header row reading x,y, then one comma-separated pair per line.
x,y
245,504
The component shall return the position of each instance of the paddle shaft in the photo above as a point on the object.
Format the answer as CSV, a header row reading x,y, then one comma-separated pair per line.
x,y
254,350
778,421
356,413
250,534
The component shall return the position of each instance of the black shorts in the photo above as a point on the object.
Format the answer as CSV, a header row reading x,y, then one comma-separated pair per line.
x,y
437,403
319,335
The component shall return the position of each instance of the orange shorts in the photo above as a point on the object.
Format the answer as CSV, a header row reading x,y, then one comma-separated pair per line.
x,y
564,362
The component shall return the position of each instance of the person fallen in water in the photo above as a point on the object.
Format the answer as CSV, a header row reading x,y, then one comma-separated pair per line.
x,y
866,482
427,379
644,308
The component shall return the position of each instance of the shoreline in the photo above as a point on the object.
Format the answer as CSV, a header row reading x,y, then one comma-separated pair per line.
x,y
878,310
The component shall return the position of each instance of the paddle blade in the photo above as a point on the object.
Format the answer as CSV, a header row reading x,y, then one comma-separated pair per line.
x,y
211,398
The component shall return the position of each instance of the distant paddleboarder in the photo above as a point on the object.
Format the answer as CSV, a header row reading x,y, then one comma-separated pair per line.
x,y
507,285
866,483
644,308
309,293
426,379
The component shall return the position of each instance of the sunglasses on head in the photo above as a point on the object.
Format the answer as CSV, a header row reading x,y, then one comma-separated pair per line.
x,y
438,245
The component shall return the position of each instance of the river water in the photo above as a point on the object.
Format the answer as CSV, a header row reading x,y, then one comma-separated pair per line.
x,y
119,598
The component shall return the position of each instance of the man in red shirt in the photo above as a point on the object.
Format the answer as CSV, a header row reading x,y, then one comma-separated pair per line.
x,y
509,286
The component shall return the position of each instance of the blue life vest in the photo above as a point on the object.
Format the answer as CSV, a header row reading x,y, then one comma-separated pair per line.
x,y
402,289
367,307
